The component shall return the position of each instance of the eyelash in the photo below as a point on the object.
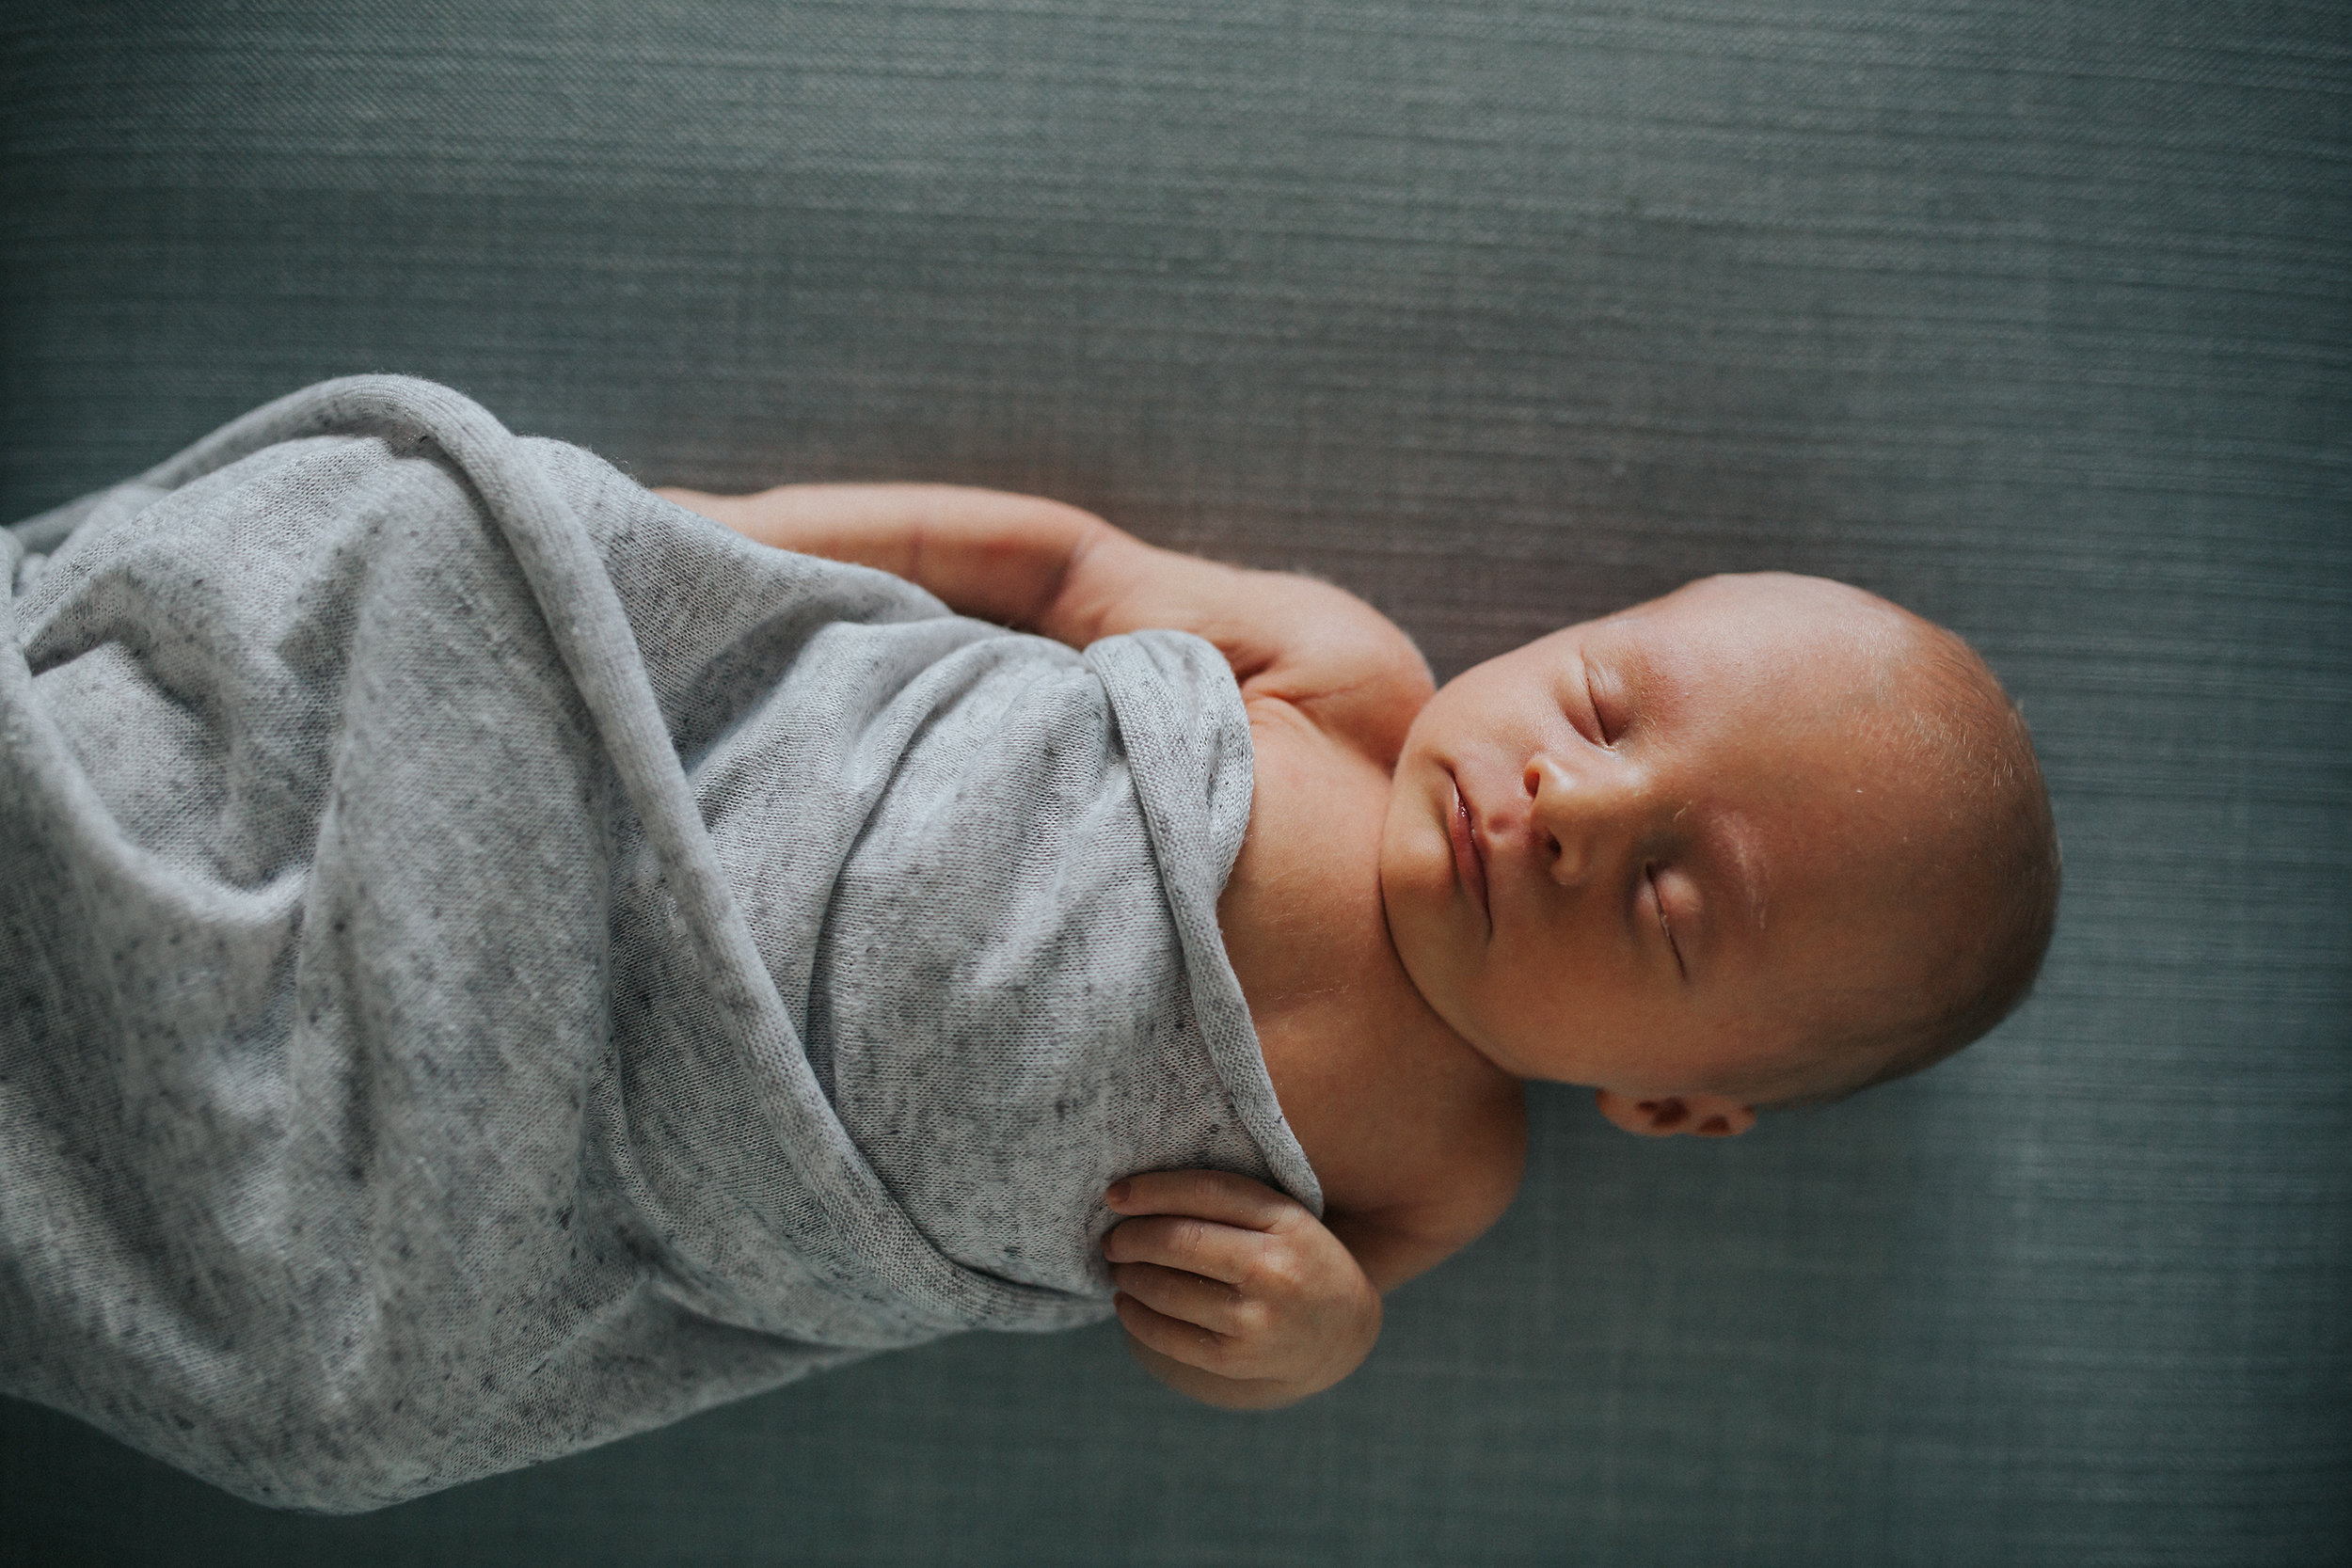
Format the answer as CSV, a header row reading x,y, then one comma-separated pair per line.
x,y
1664,924
1599,722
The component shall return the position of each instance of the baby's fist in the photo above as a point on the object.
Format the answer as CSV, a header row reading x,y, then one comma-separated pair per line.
x,y
1234,1293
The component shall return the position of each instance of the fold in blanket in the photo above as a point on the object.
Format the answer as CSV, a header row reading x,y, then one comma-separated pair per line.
x,y
495,961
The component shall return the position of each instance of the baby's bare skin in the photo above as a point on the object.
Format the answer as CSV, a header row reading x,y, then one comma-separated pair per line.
x,y
1435,898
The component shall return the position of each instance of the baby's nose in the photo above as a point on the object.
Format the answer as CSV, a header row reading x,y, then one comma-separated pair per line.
x,y
1578,816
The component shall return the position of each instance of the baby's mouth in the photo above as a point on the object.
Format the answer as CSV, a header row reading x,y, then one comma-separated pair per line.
x,y
1469,863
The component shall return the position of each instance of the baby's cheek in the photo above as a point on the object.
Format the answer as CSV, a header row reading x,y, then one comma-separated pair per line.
x,y
1416,871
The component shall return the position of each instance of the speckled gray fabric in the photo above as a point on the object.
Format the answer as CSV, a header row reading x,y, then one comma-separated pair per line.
x,y
499,961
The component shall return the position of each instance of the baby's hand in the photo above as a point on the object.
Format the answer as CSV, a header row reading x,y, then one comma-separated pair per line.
x,y
1234,1293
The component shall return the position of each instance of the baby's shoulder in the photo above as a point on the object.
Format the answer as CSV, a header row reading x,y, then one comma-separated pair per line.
x,y
1417,1159
1343,670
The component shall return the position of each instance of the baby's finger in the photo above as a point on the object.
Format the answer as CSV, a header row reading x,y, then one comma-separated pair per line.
x,y
1173,1294
1220,1252
1174,1338
1213,1195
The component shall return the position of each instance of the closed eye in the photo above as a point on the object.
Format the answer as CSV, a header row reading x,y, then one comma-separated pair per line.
x,y
1664,924
1600,724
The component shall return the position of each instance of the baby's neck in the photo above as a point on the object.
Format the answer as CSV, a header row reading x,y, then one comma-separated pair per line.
x,y
1362,1065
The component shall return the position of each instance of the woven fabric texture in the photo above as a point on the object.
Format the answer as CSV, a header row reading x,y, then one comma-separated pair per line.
x,y
2032,316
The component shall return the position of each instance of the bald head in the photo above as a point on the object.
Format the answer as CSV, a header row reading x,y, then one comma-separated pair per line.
x,y
1977,862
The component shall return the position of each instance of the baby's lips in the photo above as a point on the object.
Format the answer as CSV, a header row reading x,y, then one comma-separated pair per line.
x,y
1469,857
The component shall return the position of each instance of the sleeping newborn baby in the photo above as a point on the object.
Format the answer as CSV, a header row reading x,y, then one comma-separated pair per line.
x,y
1763,842
497,962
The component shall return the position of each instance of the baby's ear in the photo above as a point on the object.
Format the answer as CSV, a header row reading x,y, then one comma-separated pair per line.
x,y
1705,1116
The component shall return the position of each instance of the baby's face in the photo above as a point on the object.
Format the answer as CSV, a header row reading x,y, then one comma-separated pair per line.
x,y
1654,854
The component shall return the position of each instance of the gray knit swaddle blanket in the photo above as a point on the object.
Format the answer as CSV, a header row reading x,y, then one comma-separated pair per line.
x,y
493,961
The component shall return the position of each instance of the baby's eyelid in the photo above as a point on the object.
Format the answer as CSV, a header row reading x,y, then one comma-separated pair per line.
x,y
1591,701
1666,923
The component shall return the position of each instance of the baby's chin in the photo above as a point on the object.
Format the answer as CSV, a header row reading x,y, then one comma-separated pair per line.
x,y
1421,898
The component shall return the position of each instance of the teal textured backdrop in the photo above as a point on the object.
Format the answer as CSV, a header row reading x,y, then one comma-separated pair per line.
x,y
2035,316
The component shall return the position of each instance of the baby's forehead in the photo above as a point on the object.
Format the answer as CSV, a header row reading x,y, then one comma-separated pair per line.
x,y
1795,635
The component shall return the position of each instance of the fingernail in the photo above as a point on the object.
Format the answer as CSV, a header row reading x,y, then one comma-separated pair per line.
x,y
1118,1193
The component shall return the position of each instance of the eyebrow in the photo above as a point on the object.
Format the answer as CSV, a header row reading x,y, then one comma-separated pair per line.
x,y
1747,872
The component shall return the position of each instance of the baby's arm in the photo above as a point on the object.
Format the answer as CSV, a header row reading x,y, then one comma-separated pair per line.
x,y
1042,566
